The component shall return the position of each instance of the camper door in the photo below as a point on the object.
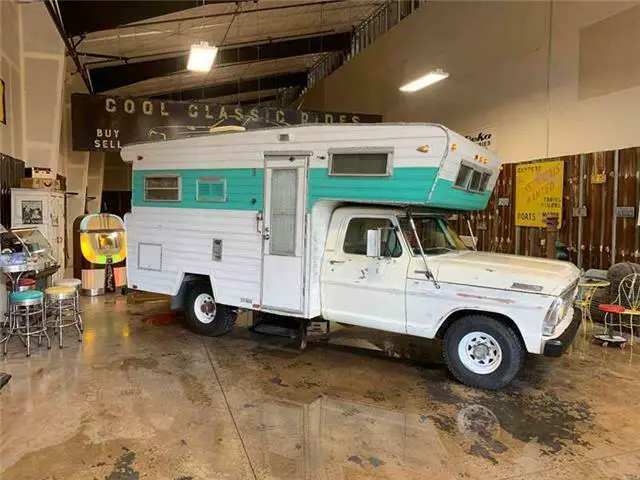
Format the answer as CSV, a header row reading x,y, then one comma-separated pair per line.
x,y
284,203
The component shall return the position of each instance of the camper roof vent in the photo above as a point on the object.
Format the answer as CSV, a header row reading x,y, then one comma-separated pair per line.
x,y
284,137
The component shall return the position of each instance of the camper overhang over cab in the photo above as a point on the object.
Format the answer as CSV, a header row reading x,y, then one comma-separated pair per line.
x,y
346,223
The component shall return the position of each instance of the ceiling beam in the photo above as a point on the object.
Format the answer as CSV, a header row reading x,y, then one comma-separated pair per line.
x,y
116,76
256,101
238,13
86,16
241,86
70,49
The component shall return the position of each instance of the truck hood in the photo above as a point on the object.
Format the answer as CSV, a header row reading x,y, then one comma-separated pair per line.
x,y
505,272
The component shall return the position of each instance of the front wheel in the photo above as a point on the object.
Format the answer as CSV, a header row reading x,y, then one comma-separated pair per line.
x,y
481,352
204,316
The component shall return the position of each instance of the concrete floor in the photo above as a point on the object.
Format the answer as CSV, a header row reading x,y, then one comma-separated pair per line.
x,y
143,398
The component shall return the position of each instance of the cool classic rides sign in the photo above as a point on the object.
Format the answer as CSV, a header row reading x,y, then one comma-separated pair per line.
x,y
538,193
105,123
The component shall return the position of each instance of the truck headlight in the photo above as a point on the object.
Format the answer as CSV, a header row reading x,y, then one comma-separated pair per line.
x,y
555,314
552,317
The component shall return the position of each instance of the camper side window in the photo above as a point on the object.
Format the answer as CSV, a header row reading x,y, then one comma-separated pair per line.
x,y
211,189
162,188
369,164
472,179
355,240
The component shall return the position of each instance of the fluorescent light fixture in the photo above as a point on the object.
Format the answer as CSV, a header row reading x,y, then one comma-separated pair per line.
x,y
201,57
424,81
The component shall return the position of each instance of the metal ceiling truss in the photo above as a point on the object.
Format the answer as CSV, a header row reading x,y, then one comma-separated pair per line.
x,y
74,19
115,76
237,14
86,16
271,82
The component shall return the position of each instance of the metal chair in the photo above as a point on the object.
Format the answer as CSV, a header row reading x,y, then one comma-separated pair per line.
x,y
626,307
73,283
25,308
61,303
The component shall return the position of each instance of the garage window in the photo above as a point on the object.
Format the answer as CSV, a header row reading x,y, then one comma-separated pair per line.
x,y
360,164
162,188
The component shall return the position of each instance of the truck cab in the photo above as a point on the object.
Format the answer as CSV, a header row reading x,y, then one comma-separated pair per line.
x,y
410,273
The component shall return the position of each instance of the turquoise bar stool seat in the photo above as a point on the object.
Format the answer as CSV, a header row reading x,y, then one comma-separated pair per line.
x,y
26,296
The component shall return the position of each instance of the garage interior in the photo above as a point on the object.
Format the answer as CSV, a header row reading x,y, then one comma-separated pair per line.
x,y
546,86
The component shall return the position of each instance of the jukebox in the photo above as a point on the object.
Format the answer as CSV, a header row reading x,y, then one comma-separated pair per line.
x,y
99,253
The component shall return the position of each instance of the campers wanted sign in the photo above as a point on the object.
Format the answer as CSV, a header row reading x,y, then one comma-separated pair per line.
x,y
105,123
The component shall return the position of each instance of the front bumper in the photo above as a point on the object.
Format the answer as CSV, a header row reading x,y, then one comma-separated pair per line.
x,y
555,347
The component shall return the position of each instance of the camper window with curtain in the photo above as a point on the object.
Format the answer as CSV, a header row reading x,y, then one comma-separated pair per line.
x,y
162,188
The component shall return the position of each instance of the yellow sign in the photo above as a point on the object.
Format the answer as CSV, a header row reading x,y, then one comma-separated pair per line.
x,y
538,193
3,112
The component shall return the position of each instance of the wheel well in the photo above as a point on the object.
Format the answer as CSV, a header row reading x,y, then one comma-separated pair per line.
x,y
177,301
458,314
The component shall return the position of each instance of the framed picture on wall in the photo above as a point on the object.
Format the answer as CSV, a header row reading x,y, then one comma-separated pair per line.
x,y
3,104
32,212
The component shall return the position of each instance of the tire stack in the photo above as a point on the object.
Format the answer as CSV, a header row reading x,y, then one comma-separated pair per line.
x,y
609,295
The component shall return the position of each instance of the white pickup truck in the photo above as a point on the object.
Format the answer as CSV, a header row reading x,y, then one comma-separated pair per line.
x,y
380,272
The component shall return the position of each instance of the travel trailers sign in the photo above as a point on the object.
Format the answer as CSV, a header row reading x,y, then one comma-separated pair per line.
x,y
105,123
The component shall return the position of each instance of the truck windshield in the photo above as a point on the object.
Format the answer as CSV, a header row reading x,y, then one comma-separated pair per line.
x,y
435,234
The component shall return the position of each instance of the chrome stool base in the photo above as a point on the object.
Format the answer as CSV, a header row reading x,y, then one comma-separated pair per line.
x,y
25,308
76,284
62,304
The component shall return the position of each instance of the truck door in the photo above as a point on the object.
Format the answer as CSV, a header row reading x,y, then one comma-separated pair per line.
x,y
365,291
284,203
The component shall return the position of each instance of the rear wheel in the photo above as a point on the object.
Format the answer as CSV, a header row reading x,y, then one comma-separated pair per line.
x,y
481,352
204,316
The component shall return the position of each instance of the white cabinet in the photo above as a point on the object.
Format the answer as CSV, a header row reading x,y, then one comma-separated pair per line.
x,y
44,209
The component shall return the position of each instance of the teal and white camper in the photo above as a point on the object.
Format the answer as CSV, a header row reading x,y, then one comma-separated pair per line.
x,y
344,223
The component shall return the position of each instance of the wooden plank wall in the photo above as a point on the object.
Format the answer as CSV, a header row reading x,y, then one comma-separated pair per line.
x,y
591,240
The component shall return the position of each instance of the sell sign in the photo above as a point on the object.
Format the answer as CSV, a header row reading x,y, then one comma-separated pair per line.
x,y
538,193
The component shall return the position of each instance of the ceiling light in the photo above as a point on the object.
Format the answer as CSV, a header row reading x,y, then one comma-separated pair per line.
x,y
424,81
201,57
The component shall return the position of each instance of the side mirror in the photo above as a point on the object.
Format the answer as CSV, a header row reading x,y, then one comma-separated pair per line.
x,y
374,240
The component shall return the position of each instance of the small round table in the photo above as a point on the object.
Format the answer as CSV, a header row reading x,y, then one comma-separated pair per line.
x,y
589,288
15,272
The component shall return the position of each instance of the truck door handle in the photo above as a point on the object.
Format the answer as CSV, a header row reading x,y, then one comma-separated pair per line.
x,y
333,262
420,272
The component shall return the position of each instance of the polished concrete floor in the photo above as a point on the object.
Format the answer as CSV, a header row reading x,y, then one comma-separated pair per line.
x,y
143,398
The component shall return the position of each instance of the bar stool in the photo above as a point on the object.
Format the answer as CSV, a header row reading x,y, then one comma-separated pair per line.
x,y
61,302
23,284
25,307
74,283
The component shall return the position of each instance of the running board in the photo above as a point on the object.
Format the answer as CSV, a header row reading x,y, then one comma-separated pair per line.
x,y
292,328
